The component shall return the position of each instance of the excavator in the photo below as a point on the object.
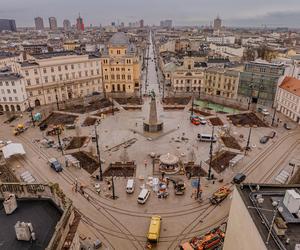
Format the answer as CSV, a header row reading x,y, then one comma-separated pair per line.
x,y
19,129
219,195
211,240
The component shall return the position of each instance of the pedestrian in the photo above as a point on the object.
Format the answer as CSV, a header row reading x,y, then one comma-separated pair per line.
x,y
145,162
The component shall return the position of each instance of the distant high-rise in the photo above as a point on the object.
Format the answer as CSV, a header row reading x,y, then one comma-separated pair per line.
x,y
142,23
79,24
39,23
67,24
52,23
217,23
8,24
166,23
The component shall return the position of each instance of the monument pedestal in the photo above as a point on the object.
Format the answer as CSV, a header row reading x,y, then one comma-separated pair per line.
x,y
153,125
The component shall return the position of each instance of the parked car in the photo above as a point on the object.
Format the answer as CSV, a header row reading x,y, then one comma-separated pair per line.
x,y
264,139
143,196
264,111
202,120
96,93
55,164
287,126
43,127
195,120
238,178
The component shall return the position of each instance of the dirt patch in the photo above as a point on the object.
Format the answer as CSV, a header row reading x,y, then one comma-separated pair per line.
x,y
200,112
221,161
231,142
89,121
176,100
59,119
130,100
106,112
132,107
87,162
76,142
194,170
246,119
89,107
7,175
216,121
120,170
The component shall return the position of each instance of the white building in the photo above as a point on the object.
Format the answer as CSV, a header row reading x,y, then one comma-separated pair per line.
x,y
63,74
288,98
227,50
221,39
12,92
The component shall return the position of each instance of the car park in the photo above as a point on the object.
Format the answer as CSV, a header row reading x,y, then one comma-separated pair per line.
x,y
238,178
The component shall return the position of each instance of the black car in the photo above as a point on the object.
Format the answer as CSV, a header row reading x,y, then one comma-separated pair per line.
x,y
43,127
96,93
264,139
239,178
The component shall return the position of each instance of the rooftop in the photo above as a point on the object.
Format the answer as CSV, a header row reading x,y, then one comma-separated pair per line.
x,y
54,54
291,85
119,39
9,76
271,193
42,213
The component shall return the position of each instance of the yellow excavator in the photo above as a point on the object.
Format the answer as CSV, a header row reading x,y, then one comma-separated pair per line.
x,y
220,195
19,129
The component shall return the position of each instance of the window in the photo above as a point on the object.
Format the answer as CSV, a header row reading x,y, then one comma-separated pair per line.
x,y
79,73
37,80
73,75
86,73
12,83
118,77
72,66
98,72
106,77
123,69
46,79
4,99
92,72
53,78
117,69
6,83
129,77
118,52
1,84
26,73
113,77
10,99
67,76
30,93
123,77
35,71
112,69
52,69
40,92
8,91
14,91
60,77
66,67
59,68
44,70
28,82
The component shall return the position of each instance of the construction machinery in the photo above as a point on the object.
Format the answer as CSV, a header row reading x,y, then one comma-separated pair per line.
x,y
211,240
220,195
179,186
55,130
19,129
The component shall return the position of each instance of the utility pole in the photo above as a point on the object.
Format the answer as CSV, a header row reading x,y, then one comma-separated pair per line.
x,y
198,187
210,154
192,113
58,131
273,118
113,188
31,114
248,141
56,97
112,105
98,153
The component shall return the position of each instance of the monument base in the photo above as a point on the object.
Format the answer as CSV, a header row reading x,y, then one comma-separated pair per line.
x,y
152,128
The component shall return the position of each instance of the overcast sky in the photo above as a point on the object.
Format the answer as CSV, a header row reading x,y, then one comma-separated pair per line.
x,y
182,12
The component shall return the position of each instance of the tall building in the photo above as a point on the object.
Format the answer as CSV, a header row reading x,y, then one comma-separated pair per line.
x,y
8,24
79,24
39,23
120,64
142,23
166,23
217,23
259,80
52,23
67,24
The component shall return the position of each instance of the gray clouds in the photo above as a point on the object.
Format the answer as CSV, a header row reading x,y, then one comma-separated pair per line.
x,y
183,12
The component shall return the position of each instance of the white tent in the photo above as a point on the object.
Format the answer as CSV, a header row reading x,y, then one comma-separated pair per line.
x,y
13,149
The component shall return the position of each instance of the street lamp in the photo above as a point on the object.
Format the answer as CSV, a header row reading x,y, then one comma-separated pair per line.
x,y
250,98
31,114
274,114
211,153
248,141
58,131
98,153
56,97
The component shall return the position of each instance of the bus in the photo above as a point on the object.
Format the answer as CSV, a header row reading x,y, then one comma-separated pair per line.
x,y
154,229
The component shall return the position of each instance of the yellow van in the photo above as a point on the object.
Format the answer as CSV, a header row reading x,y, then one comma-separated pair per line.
x,y
154,229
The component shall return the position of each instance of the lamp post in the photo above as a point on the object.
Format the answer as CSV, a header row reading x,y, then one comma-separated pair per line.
x,y
192,113
274,115
250,98
198,186
56,97
58,131
248,141
210,153
31,114
113,188
98,153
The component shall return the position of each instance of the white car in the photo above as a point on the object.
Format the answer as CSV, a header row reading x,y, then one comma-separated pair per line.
x,y
202,120
265,112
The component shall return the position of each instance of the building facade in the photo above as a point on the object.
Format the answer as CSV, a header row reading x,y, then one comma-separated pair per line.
x,y
8,24
52,23
13,95
288,98
221,39
221,82
259,81
60,76
120,65
67,24
217,23
79,24
39,23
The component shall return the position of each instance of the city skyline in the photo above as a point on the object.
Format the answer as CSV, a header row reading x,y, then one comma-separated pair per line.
x,y
233,12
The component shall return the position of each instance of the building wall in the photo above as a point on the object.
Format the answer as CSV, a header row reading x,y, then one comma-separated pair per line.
x,y
66,77
13,95
219,82
241,231
121,71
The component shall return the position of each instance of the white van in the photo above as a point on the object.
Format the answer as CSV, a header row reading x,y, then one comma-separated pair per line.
x,y
206,138
130,186
143,196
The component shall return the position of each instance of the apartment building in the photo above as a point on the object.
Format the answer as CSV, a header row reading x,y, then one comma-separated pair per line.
x,y
120,65
13,95
288,98
60,75
221,82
